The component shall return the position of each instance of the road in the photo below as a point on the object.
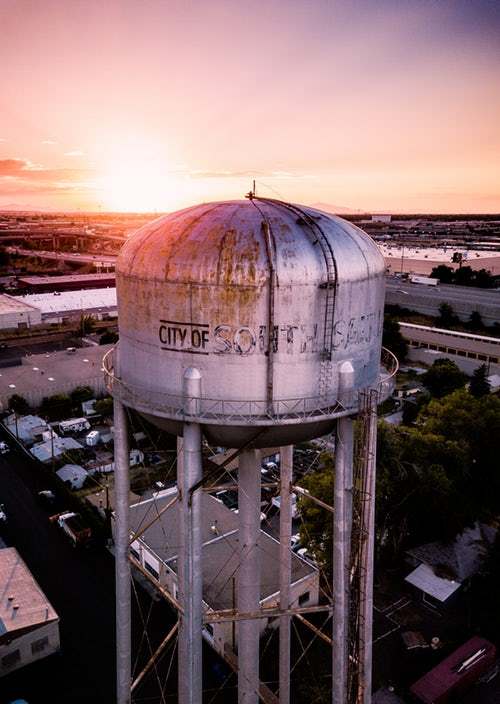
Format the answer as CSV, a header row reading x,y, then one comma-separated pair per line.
x,y
106,259
80,586
427,299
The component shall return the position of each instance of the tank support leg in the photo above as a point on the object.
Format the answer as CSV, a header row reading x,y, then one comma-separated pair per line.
x,y
342,518
286,467
190,576
248,583
122,564
368,558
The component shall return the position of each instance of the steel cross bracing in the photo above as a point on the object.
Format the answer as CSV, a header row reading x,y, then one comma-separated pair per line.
x,y
361,573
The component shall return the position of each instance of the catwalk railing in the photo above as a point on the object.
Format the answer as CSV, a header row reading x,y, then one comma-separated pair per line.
x,y
248,412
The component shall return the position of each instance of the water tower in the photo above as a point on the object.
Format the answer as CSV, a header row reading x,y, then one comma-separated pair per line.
x,y
253,324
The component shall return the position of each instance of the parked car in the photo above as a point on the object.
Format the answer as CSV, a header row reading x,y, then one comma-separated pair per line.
x,y
47,497
3,515
4,448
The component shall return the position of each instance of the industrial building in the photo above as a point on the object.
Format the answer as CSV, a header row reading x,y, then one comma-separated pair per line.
x,y
70,305
158,547
18,314
29,625
27,311
69,282
468,350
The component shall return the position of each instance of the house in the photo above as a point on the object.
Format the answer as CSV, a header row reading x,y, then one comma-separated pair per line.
x,y
29,626
156,550
73,474
458,672
442,569
45,451
26,428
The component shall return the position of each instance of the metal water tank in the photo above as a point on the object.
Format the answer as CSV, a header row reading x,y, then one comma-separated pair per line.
x,y
266,299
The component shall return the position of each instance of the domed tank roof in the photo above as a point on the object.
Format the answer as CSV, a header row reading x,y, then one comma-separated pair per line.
x,y
267,299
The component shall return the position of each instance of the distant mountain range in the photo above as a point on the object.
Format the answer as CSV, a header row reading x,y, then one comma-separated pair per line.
x,y
337,209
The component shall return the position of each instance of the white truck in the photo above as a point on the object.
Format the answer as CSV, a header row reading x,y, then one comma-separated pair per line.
x,y
73,425
72,525
426,280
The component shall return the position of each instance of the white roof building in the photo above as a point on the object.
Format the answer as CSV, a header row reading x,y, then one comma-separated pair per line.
x,y
17,313
44,451
26,428
72,300
73,474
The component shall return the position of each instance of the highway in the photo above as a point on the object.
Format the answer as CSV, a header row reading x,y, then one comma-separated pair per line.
x,y
427,299
96,259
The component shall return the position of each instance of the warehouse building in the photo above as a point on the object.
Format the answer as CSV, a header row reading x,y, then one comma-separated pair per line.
x,y
29,626
18,314
70,282
70,305
466,349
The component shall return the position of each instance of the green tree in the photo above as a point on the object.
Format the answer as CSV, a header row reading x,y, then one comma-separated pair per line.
x,y
447,317
443,378
475,321
57,407
87,324
464,276
475,423
443,273
104,406
81,393
19,404
483,279
479,384
316,530
393,339
108,338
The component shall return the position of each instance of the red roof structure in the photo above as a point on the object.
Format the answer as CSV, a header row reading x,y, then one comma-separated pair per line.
x,y
456,673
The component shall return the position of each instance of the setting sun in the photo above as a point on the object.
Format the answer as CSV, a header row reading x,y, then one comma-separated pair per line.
x,y
137,186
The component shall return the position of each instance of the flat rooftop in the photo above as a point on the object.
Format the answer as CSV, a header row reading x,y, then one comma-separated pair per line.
x,y
65,279
221,549
85,300
23,605
52,371
13,304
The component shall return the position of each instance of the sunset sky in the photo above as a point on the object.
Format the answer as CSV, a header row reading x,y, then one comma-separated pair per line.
x,y
157,104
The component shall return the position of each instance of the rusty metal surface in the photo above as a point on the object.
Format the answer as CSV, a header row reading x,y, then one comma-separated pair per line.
x,y
194,289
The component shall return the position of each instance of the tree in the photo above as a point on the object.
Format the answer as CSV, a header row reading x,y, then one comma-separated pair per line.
x,y
464,276
56,407
104,406
393,339
19,404
483,279
479,384
108,338
447,317
443,273
443,378
475,424
316,530
81,393
87,324
475,321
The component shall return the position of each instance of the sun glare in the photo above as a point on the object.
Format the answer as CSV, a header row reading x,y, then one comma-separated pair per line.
x,y
137,185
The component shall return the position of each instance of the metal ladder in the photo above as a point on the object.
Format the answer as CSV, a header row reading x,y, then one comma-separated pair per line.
x,y
318,237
